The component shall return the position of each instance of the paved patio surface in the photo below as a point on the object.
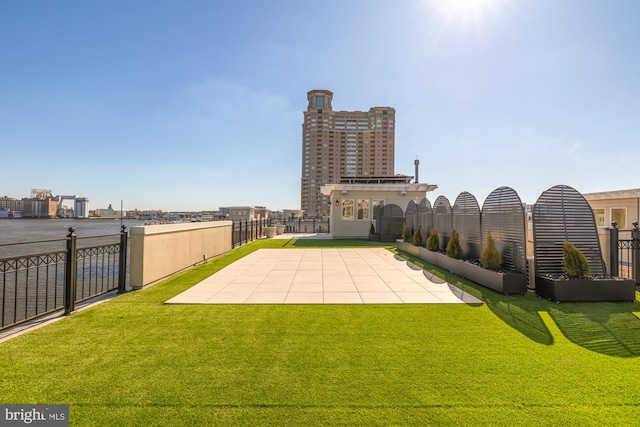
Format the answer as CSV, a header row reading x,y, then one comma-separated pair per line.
x,y
322,276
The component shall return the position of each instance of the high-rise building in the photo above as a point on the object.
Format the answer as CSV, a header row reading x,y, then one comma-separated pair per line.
x,y
342,144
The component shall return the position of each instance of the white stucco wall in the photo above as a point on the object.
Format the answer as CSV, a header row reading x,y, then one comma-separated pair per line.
x,y
398,194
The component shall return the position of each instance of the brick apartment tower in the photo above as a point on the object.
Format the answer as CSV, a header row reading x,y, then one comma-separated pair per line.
x,y
342,144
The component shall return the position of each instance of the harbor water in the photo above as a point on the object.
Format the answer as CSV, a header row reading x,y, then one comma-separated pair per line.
x,y
33,230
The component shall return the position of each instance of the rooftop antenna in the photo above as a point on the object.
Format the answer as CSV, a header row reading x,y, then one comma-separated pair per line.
x,y
416,163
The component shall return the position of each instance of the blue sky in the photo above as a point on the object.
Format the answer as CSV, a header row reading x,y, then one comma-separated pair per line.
x,y
193,105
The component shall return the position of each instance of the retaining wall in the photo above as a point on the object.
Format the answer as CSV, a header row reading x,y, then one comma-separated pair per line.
x,y
158,251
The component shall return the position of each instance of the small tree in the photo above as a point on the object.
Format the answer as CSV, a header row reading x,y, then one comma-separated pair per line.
x,y
454,250
406,233
372,229
392,230
490,257
574,262
433,241
417,236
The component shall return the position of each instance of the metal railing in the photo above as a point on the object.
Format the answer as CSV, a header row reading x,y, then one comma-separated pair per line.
x,y
625,252
245,231
299,225
36,284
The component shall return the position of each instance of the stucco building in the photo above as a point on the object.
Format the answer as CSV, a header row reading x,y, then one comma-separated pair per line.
x,y
621,206
356,204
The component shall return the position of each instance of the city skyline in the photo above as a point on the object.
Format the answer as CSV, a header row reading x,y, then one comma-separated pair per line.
x,y
197,105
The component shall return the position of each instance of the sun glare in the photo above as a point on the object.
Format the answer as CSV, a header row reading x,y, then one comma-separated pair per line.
x,y
461,20
468,11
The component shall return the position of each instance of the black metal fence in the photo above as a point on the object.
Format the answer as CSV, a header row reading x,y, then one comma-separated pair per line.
x,y
625,253
36,284
245,231
299,225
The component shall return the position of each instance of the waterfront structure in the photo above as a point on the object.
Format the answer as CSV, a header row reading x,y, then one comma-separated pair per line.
x,y
40,208
337,144
357,203
620,206
43,204
10,205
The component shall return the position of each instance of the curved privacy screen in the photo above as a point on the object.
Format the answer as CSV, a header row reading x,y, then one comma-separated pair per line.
x,y
561,213
442,220
391,215
504,216
425,218
466,221
411,216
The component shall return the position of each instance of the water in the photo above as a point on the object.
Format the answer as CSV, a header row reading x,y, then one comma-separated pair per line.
x,y
32,230
32,273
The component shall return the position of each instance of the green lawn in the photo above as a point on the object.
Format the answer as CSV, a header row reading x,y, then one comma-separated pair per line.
x,y
518,360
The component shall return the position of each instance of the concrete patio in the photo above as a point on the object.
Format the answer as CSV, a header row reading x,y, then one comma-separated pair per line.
x,y
322,276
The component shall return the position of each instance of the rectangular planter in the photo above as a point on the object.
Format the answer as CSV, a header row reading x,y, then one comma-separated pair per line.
x,y
577,290
429,256
506,283
448,263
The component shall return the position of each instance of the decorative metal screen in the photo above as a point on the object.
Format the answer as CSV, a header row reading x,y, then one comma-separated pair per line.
x,y
504,216
425,218
562,213
391,215
442,220
411,216
466,221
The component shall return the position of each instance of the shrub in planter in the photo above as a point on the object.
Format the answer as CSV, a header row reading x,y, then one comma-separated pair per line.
x,y
406,233
433,241
417,236
490,257
574,262
372,233
392,230
454,250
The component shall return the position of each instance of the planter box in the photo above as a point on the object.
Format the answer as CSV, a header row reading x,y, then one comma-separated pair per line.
x,y
413,250
402,246
279,229
409,248
269,232
429,256
448,263
375,237
506,283
613,289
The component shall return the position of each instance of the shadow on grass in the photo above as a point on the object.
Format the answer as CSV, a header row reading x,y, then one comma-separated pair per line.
x,y
607,328
518,311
